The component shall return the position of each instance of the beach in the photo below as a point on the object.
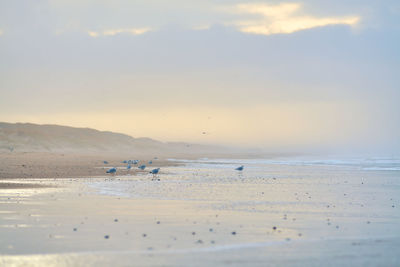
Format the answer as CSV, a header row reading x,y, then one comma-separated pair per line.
x,y
68,165
204,213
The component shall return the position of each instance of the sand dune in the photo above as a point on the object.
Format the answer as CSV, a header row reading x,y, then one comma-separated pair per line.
x,y
28,137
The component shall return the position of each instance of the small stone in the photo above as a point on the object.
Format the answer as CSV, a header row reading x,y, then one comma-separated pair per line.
x,y
144,235
233,233
75,229
274,228
115,220
106,236
210,230
193,233
158,222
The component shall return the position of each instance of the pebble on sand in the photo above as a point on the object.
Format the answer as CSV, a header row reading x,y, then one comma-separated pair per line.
x,y
106,236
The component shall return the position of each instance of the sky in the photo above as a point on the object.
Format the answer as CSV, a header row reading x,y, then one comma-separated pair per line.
x,y
280,75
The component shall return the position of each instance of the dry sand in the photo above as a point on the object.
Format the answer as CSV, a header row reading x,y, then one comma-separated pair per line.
x,y
66,165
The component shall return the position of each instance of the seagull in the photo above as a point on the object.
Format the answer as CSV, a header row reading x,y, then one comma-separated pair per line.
x,y
105,162
155,171
128,167
240,168
142,167
112,170
150,162
124,161
135,161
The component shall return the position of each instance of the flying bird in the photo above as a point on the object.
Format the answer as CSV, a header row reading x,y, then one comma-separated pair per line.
x,y
240,168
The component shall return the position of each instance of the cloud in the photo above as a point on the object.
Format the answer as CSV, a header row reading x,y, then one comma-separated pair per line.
x,y
283,19
112,32
93,34
201,27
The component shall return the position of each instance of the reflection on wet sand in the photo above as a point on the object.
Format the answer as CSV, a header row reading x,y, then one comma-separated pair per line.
x,y
206,215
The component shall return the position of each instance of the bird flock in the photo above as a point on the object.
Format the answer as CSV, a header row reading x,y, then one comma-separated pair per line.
x,y
142,167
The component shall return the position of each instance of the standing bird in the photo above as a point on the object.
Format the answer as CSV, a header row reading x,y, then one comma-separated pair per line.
x,y
150,162
112,170
128,167
142,167
240,168
105,162
155,171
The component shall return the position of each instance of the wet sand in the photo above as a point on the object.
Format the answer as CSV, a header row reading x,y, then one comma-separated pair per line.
x,y
202,216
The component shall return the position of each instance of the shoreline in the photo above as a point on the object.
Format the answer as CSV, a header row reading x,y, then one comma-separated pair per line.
x,y
20,165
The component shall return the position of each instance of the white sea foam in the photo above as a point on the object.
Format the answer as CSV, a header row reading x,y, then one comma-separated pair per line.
x,y
373,164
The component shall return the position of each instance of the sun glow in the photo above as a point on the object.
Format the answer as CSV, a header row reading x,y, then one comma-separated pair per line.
x,y
282,19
